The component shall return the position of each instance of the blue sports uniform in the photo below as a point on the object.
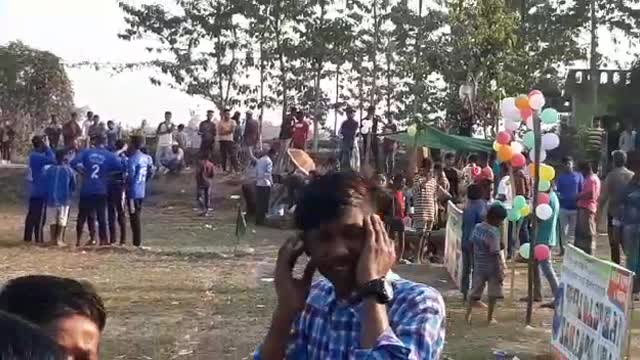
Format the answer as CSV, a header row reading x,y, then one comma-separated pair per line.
x,y
139,169
37,213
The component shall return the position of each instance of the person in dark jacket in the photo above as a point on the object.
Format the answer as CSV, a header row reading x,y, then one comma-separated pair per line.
x,y
40,157
60,181
115,197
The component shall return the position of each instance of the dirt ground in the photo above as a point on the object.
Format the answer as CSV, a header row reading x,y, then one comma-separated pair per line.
x,y
198,294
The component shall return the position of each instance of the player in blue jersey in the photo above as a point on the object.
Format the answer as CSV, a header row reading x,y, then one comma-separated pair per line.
x,y
97,165
60,182
115,197
40,157
139,169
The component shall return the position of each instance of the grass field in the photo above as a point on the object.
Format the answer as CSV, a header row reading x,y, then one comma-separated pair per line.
x,y
197,294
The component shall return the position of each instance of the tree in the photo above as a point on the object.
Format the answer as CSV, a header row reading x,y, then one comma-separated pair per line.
x,y
33,85
200,51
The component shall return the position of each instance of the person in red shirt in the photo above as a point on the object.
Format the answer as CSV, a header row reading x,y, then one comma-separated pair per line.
x,y
300,132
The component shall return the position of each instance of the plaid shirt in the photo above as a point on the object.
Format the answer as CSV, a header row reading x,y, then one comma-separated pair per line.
x,y
329,328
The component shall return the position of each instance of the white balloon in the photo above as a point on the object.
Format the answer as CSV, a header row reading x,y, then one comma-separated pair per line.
x,y
543,156
544,212
517,147
550,141
511,125
536,101
509,110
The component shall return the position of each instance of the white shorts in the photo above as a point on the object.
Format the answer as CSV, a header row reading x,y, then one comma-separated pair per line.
x,y
58,215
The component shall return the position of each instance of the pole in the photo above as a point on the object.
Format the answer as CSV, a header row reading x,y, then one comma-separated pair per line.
x,y
534,237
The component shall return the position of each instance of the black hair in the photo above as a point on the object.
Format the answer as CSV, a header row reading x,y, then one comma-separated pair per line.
x,y
95,117
566,160
136,142
23,341
98,140
473,158
110,122
496,213
60,155
43,299
585,167
619,158
474,192
167,113
90,114
437,166
483,156
210,112
236,116
272,152
323,200
449,155
120,144
427,163
37,141
181,126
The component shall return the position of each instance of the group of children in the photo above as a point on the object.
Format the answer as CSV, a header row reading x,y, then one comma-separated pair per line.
x,y
108,178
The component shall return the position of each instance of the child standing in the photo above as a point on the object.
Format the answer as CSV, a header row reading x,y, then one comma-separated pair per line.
x,y
61,183
473,214
489,265
204,183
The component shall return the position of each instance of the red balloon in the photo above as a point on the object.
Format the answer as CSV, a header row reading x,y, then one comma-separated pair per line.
x,y
526,114
476,171
542,252
518,160
543,198
504,138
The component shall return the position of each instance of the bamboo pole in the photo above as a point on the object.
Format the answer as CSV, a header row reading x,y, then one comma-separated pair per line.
x,y
534,237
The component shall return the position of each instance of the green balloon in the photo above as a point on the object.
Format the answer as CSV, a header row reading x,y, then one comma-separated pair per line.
x,y
514,215
519,202
544,185
529,139
549,116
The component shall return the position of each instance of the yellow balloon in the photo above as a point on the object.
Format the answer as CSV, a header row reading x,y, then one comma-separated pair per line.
x,y
505,153
525,211
496,146
547,172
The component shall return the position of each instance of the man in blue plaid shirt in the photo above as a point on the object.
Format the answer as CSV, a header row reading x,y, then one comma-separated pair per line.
x,y
358,309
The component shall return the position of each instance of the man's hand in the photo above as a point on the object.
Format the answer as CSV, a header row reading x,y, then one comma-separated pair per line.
x,y
378,255
292,293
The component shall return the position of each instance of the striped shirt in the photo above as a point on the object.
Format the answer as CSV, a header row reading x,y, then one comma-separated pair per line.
x,y
486,248
424,200
329,328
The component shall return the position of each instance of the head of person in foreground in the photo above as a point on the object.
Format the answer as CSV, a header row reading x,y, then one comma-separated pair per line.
x,y
21,340
69,311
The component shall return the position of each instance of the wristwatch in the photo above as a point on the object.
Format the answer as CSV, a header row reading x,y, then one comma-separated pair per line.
x,y
380,289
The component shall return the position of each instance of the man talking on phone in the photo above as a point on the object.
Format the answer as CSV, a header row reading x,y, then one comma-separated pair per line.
x,y
358,309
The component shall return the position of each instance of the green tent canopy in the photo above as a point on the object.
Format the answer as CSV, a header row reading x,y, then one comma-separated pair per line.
x,y
437,139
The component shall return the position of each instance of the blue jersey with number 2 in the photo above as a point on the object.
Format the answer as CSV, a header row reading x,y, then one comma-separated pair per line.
x,y
97,165
139,168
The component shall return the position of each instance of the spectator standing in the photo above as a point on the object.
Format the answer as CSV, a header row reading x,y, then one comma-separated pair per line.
x,y
474,213
264,182
71,131
139,169
348,131
60,183
116,198
226,129
53,132
452,173
164,134
207,131
96,165
85,128
40,157
113,135
286,129
569,185
300,132
612,190
181,137
627,141
630,221
251,136
389,146
379,314
369,130
204,183
96,130
587,207
6,142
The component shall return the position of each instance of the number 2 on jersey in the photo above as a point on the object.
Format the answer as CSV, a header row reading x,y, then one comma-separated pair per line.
x,y
95,169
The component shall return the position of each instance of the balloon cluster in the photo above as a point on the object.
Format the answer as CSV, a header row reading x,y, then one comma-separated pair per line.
x,y
541,252
515,111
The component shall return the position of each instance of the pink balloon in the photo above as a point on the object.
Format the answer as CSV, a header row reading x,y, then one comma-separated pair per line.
x,y
542,252
518,160
526,114
535,92
543,198
503,138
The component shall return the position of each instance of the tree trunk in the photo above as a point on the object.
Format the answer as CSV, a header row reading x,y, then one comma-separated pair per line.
x,y
593,59
335,112
316,116
416,72
261,94
534,238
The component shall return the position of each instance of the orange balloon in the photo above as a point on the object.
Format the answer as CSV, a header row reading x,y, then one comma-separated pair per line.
x,y
522,102
532,170
505,153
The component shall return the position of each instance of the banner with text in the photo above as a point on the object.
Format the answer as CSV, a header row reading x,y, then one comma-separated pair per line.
x,y
453,243
593,309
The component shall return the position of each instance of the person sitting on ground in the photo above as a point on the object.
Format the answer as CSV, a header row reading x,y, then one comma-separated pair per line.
x,y
69,311
358,308
174,162
474,213
23,341
60,183
488,262
204,183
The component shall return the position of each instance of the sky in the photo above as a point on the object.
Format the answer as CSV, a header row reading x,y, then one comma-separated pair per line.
x,y
86,30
